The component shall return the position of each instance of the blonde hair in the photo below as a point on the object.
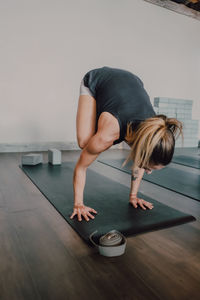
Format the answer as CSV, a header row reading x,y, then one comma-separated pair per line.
x,y
153,141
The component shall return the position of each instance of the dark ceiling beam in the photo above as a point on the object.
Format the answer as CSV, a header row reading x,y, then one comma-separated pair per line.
x,y
179,8
193,1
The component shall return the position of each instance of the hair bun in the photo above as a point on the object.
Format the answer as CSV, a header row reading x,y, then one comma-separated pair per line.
x,y
175,126
172,124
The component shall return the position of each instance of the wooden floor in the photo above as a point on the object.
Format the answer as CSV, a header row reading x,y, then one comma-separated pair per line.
x,y
42,257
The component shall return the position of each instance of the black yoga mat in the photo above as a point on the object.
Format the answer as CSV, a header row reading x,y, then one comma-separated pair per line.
x,y
182,182
108,197
186,160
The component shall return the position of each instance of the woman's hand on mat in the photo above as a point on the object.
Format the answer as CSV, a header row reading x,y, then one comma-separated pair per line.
x,y
135,201
82,210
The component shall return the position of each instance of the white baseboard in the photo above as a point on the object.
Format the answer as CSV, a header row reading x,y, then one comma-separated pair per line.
x,y
28,147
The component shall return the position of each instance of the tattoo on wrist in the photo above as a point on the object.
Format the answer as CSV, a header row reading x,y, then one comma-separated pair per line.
x,y
134,176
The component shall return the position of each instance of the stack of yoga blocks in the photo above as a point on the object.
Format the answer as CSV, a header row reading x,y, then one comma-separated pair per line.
x,y
182,110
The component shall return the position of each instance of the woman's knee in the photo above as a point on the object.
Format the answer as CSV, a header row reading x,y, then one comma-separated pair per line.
x,y
82,143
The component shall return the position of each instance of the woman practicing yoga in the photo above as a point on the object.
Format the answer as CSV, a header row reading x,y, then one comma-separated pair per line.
x,y
114,107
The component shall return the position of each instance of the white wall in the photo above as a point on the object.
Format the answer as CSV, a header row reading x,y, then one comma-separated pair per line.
x,y
46,46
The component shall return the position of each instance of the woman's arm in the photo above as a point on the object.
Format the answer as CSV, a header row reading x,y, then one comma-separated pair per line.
x,y
96,145
136,178
108,132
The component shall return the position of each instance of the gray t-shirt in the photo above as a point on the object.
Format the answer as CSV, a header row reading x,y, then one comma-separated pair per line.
x,y
120,93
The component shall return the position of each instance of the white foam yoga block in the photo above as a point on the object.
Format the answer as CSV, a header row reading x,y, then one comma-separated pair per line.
x,y
32,159
54,156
